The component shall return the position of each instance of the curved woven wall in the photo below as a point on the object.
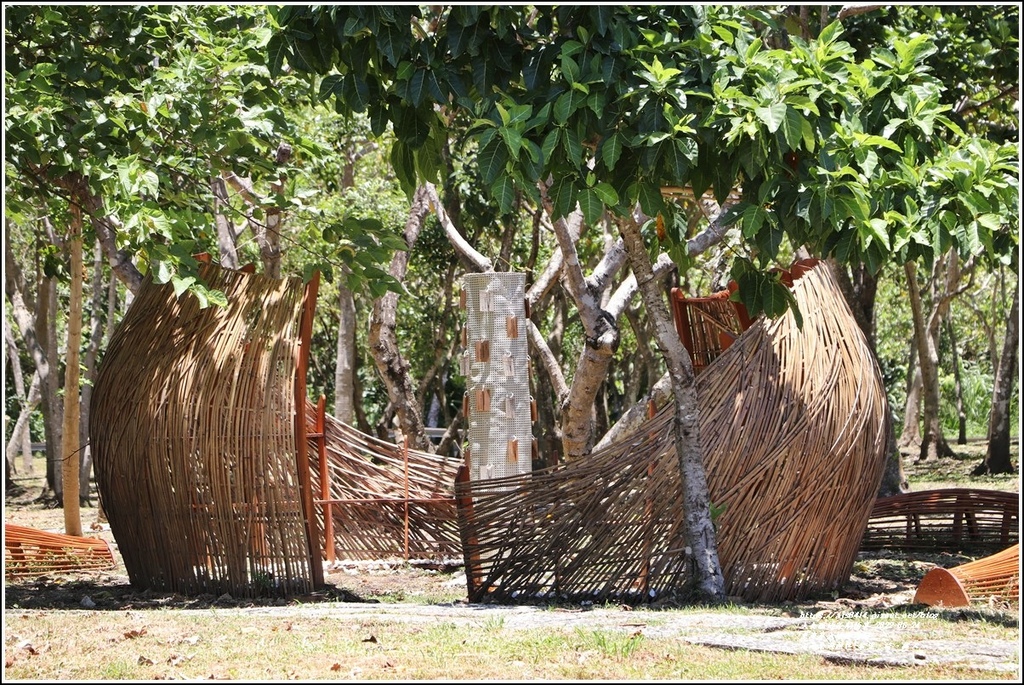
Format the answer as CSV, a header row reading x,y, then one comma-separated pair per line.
x,y
193,433
793,430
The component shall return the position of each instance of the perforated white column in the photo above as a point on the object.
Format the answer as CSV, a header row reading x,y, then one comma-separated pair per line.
x,y
496,365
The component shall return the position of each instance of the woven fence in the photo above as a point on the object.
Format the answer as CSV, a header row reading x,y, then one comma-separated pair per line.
x,y
945,520
793,432
379,500
195,438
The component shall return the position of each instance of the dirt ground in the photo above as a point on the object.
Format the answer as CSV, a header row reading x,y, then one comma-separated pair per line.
x,y
882,583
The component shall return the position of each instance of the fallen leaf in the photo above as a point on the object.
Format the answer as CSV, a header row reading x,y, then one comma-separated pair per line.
x,y
132,634
336,667
145,661
372,638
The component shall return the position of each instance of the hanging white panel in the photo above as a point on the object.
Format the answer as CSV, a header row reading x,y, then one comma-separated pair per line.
x,y
496,365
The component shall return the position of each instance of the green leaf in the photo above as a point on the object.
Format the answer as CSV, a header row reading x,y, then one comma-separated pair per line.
x,y
492,160
276,50
329,85
773,116
180,284
793,127
504,193
567,103
611,149
563,197
606,194
404,165
573,147
590,205
161,271
774,301
650,199
550,144
513,139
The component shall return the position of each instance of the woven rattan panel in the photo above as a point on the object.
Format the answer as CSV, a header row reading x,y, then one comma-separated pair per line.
x,y
793,429
193,435
386,501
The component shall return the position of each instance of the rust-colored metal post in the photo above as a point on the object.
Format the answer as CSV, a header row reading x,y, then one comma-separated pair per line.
x,y
467,531
301,449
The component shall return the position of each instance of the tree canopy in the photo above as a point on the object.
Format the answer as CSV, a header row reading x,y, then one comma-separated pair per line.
x,y
856,158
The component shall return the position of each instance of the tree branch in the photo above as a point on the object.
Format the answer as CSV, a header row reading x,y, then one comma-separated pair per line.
x,y
467,251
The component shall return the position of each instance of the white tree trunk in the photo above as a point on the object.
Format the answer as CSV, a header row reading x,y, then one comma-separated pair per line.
x,y
702,543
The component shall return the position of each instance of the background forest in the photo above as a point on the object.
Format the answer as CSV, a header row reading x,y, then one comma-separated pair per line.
x,y
139,136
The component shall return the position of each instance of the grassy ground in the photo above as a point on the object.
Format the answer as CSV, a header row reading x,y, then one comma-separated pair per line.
x,y
402,622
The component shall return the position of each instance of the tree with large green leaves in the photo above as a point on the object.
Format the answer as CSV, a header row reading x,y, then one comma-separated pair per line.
x,y
587,110
136,117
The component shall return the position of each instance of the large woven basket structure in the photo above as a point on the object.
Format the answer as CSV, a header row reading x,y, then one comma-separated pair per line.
x,y
199,445
793,430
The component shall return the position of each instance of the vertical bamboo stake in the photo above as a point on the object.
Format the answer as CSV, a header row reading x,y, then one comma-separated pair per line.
x,y
325,479
301,456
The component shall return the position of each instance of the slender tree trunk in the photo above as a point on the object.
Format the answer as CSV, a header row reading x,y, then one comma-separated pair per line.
x,y
958,386
21,440
227,236
51,405
910,438
70,454
933,443
96,320
383,338
269,239
702,544
997,457
345,360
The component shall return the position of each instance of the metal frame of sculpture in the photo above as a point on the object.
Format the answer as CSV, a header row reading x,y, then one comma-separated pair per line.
x,y
381,501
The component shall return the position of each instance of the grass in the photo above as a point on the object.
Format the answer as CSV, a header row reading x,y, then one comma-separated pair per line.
x,y
328,643
74,646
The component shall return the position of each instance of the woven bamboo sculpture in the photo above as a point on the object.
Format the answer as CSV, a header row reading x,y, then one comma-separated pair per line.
x,y
200,455
31,552
995,576
381,501
793,431
945,520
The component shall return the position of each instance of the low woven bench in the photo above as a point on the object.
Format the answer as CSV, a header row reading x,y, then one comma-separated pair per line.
x,y
31,552
949,519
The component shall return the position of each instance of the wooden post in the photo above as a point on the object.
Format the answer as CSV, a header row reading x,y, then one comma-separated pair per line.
x,y
325,478
301,450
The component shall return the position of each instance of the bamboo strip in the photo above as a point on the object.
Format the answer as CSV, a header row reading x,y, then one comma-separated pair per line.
x,y
29,552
